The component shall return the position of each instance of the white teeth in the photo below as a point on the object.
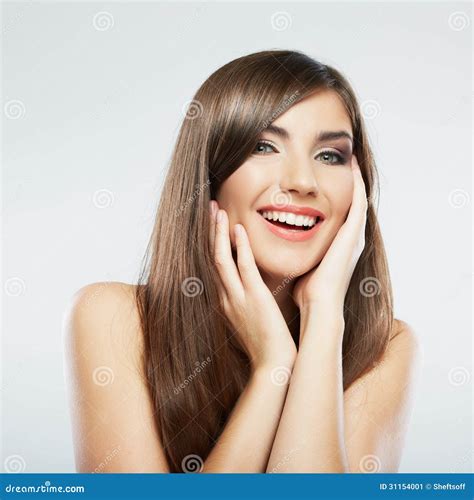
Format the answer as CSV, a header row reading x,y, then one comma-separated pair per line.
x,y
299,220
290,218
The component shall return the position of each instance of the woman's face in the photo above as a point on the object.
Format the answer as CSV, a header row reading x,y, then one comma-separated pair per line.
x,y
292,170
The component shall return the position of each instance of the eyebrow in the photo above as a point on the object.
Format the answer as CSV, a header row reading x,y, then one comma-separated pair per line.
x,y
324,135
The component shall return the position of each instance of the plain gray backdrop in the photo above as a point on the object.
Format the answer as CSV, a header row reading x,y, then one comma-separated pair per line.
x,y
92,99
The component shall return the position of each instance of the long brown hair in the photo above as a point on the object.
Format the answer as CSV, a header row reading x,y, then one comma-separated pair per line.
x,y
195,366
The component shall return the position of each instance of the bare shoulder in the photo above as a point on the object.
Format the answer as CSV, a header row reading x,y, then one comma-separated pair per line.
x,y
378,405
108,308
397,365
404,350
102,297
404,337
111,409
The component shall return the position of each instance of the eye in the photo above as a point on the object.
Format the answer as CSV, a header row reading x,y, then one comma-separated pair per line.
x,y
339,160
260,148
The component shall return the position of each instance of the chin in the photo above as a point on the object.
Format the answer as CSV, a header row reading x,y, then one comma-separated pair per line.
x,y
283,265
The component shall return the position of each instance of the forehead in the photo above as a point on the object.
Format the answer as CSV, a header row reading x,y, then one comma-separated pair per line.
x,y
321,110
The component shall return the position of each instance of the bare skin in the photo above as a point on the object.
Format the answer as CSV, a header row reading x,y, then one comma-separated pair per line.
x,y
290,423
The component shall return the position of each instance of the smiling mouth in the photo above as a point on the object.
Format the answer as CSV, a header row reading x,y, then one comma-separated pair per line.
x,y
292,226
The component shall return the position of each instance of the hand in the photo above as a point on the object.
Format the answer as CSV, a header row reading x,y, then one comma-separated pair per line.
x,y
247,301
328,282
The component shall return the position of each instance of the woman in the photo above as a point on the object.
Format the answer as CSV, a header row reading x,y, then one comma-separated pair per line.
x,y
261,336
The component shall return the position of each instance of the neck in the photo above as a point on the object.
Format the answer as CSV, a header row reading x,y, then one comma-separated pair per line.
x,y
282,289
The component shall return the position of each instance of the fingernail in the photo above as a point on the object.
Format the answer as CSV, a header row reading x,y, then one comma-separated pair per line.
x,y
213,206
238,230
220,215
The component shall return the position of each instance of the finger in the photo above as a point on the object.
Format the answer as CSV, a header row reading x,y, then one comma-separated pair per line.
x,y
360,191
213,207
359,196
223,257
248,269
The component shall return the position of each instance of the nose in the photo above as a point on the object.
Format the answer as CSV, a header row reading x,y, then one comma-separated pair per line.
x,y
298,177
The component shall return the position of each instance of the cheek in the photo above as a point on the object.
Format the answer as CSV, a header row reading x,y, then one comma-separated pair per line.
x,y
339,196
239,192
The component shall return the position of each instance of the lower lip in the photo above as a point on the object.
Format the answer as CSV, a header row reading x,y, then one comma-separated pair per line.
x,y
292,234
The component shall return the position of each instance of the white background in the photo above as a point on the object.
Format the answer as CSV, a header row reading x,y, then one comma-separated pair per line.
x,y
100,109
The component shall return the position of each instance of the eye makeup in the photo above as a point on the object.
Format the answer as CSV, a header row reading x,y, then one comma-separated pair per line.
x,y
340,157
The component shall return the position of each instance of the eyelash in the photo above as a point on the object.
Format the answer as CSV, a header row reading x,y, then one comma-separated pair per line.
x,y
340,159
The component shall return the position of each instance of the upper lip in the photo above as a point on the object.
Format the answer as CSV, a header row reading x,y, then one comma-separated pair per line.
x,y
294,209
